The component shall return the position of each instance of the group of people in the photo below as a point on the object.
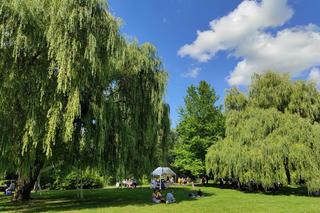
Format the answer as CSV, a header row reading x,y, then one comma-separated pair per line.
x,y
187,180
128,183
161,184
158,198
157,184
183,180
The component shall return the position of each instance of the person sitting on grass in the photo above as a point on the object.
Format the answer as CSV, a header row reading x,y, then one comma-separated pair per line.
x,y
157,197
192,195
10,189
196,195
134,183
170,198
199,193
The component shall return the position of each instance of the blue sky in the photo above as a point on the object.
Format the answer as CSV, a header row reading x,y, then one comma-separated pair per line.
x,y
246,37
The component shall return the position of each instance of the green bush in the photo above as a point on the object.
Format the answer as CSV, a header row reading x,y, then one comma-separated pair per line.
x,y
110,181
90,180
145,180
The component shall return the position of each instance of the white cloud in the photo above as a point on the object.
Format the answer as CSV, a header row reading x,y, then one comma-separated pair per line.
x,y
193,73
314,75
291,50
243,33
228,31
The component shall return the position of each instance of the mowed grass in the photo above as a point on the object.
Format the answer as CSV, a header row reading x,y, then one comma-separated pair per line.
x,y
139,200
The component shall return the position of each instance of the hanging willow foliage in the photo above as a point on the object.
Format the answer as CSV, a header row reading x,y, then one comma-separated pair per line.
x,y
135,113
73,90
264,145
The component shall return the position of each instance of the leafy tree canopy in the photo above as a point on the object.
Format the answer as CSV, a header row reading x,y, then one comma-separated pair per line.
x,y
74,91
273,138
201,124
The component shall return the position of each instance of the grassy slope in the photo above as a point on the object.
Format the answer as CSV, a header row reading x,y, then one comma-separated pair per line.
x,y
138,200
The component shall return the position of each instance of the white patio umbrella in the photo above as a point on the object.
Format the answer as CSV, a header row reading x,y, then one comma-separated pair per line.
x,y
163,171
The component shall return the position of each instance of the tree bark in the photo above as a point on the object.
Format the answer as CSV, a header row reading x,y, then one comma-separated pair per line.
x,y
26,183
24,187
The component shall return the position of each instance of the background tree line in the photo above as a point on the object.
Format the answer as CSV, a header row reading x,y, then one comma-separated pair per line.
x,y
261,140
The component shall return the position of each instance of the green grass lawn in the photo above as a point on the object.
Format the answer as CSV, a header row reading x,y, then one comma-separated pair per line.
x,y
139,200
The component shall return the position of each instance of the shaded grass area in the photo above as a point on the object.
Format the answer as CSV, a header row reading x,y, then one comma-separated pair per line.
x,y
139,200
93,199
284,190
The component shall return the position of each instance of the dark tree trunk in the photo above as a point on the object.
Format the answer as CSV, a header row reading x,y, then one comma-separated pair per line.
x,y
25,184
286,166
24,188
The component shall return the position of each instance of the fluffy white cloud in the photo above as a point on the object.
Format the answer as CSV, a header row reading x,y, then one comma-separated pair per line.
x,y
243,32
314,75
193,73
229,31
291,51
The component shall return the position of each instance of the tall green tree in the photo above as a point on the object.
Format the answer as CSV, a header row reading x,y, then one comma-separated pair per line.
x,y
73,91
274,138
201,125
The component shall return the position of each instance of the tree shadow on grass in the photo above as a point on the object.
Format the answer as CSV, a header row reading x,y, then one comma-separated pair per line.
x,y
100,198
285,190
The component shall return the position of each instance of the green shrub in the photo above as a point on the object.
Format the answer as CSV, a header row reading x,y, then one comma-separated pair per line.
x,y
110,181
90,180
145,180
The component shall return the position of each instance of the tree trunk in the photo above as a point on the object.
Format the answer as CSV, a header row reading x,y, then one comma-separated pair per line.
x,y
286,166
24,187
81,189
81,185
25,184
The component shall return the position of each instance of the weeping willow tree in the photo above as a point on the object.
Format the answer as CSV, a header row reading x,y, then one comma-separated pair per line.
x,y
73,90
272,135
136,119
